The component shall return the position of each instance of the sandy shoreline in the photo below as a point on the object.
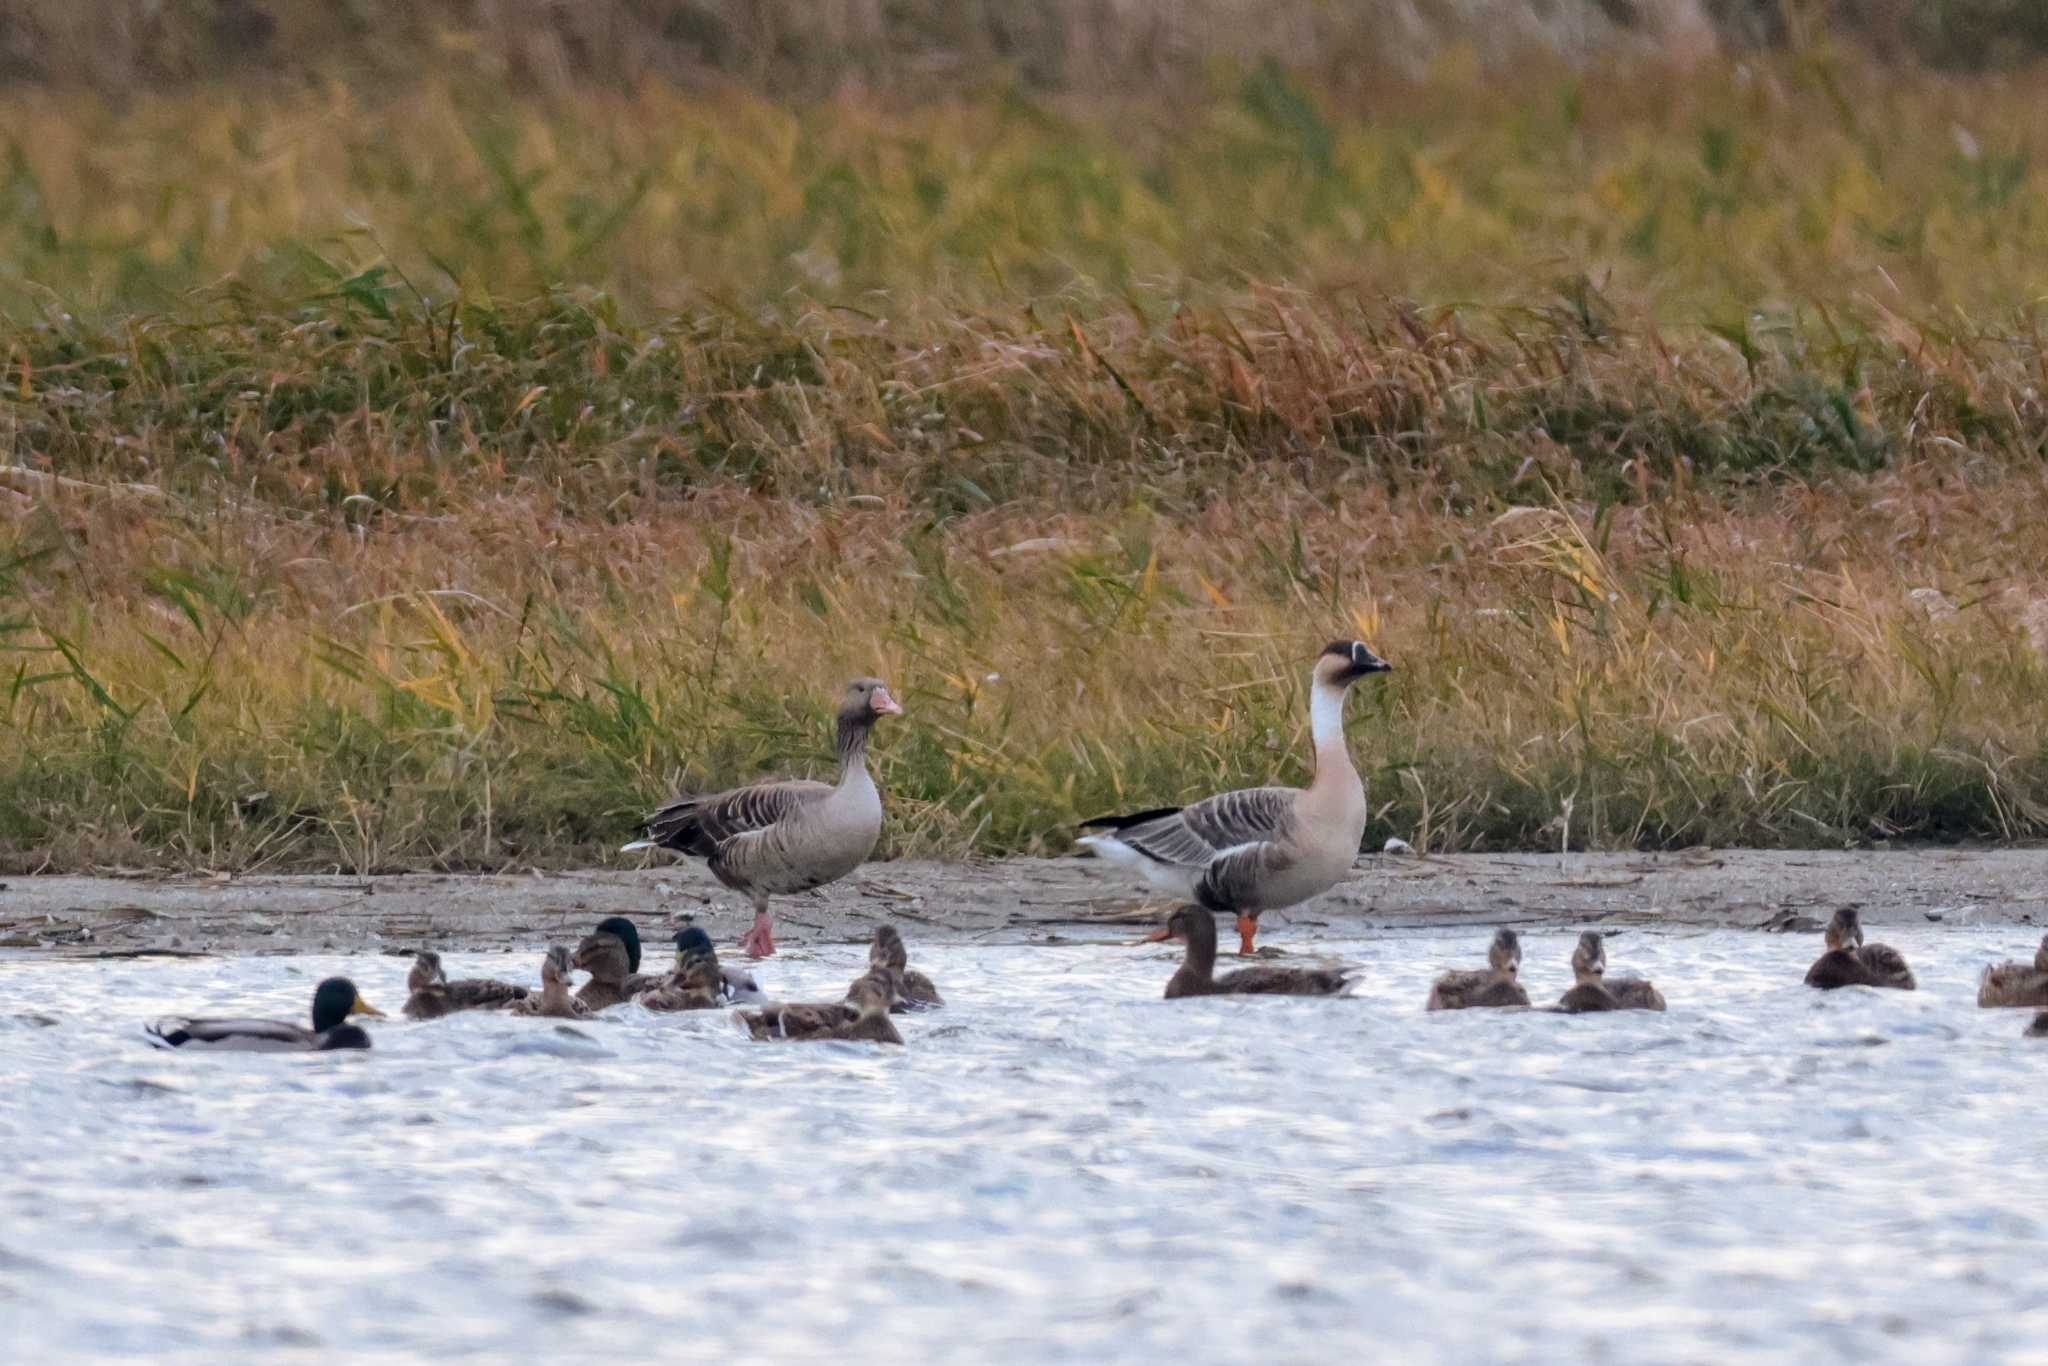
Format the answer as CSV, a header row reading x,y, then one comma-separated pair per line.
x,y
1019,901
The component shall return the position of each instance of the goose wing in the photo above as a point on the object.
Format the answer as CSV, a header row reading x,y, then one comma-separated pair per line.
x,y
1192,836
699,825
226,1035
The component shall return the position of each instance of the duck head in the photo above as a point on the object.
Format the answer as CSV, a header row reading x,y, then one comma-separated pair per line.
x,y
426,971
334,1000
622,930
1845,930
887,950
692,942
1504,955
1344,662
604,956
555,966
870,994
1589,959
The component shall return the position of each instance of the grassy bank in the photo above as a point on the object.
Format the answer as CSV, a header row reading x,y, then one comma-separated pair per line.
x,y
441,482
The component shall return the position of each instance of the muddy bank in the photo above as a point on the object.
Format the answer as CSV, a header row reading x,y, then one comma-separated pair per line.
x,y
1013,901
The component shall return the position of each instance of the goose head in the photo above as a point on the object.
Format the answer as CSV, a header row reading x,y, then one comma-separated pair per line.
x,y
1344,662
1845,930
334,1000
1504,955
426,971
866,701
1589,959
887,950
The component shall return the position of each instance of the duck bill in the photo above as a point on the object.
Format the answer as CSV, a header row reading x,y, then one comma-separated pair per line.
x,y
362,1007
1158,936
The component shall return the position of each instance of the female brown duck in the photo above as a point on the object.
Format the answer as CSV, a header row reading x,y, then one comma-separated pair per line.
x,y
1849,962
433,995
1593,989
611,955
553,1000
1497,986
864,1016
2017,984
889,959
1196,927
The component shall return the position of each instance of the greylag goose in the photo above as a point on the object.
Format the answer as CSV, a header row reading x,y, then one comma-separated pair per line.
x,y
553,999
1259,848
431,995
334,1000
611,955
2017,984
1496,986
774,838
1593,989
1197,974
863,1016
1849,962
890,958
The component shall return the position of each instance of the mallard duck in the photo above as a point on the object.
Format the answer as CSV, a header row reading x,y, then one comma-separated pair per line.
x,y
2016,984
1499,985
611,955
1593,989
1849,962
912,989
698,983
1196,927
334,1000
770,839
736,986
553,1000
864,1016
432,995
1260,848
2039,1028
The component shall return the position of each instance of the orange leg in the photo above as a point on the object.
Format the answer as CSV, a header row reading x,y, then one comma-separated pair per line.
x,y
1247,926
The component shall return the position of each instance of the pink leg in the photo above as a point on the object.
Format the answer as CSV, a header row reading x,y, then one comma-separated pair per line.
x,y
759,941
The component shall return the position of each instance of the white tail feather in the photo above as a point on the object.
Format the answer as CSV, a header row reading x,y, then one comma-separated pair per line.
x,y
638,845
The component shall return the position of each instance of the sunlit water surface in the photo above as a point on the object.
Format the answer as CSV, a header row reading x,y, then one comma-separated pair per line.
x,y
1060,1166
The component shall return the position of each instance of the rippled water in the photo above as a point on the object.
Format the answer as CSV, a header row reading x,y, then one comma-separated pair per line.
x,y
1059,1166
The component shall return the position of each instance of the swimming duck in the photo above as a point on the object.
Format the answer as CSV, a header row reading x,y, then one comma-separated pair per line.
x,y
864,1016
1849,962
736,986
432,995
334,1000
912,989
2016,984
611,955
774,838
698,983
553,1000
1259,848
1196,926
1497,986
2039,1028
1593,989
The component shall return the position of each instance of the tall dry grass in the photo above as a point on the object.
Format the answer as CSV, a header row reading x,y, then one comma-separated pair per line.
x,y
474,589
